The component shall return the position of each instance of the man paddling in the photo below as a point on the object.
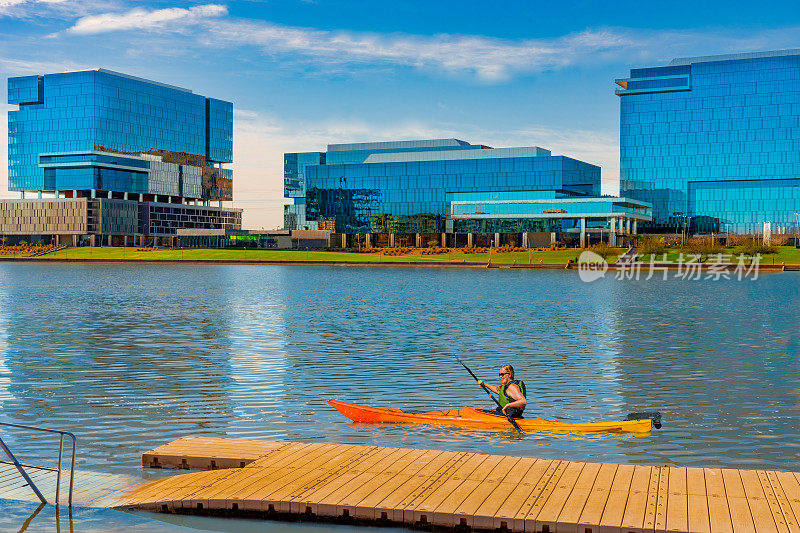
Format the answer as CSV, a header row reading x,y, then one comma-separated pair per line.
x,y
511,393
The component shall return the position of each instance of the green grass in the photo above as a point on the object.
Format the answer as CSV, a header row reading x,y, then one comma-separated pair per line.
x,y
130,253
786,254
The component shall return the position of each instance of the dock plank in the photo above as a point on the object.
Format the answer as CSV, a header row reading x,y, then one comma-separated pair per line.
x,y
472,491
762,512
392,505
197,453
677,505
614,511
526,490
698,520
395,480
344,486
546,510
372,479
539,496
287,461
494,488
444,489
597,498
719,513
423,508
305,497
250,491
783,521
742,518
789,498
575,501
636,506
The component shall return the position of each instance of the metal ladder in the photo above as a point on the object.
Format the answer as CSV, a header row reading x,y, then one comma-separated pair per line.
x,y
21,467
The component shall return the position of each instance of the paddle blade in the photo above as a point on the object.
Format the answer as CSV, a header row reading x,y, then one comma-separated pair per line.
x,y
655,416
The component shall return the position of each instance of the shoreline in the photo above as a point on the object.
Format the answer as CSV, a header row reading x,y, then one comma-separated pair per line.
x,y
643,267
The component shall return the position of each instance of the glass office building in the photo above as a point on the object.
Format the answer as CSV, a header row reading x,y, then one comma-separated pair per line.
x,y
402,187
98,134
714,142
539,211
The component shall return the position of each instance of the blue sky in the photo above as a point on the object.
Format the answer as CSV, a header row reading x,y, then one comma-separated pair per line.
x,y
303,74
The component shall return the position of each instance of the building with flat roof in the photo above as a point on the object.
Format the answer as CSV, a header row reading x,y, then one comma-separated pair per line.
x,y
532,213
100,154
714,142
401,192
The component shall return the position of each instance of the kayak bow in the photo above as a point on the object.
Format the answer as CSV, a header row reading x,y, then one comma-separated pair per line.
x,y
482,419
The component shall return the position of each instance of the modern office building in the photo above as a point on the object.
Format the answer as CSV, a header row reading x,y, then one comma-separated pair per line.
x,y
402,193
544,212
103,157
714,142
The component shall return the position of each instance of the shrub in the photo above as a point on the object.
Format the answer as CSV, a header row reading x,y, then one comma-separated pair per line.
x,y
703,246
400,250
650,244
433,243
508,248
753,249
603,249
779,240
24,249
740,240
435,251
475,250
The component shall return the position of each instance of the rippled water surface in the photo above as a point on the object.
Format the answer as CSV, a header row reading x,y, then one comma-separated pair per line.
x,y
129,357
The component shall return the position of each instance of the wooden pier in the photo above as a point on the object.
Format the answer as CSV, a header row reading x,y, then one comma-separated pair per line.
x,y
431,488
91,489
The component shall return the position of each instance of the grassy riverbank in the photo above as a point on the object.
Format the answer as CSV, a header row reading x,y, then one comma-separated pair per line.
x,y
784,254
550,257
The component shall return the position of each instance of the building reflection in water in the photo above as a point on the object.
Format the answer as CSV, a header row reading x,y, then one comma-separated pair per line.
x,y
719,360
131,356
125,357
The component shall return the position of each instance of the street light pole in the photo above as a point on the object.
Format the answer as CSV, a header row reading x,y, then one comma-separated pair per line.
x,y
797,237
683,233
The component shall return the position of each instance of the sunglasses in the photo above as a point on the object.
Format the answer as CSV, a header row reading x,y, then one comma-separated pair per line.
x,y
501,374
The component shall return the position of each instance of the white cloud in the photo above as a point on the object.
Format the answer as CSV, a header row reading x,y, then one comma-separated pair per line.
x,y
20,67
489,59
7,6
147,19
32,9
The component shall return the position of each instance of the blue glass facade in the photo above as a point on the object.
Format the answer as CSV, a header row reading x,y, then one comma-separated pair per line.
x,y
402,187
68,126
537,211
714,139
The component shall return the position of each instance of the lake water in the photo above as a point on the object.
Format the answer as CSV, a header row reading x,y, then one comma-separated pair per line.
x,y
129,357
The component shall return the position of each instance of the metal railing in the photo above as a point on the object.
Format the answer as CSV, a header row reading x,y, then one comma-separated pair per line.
x,y
21,467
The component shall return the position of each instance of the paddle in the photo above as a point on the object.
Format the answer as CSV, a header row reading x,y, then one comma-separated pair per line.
x,y
655,416
513,422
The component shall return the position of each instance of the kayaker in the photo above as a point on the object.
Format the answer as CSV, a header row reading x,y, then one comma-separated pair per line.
x,y
511,393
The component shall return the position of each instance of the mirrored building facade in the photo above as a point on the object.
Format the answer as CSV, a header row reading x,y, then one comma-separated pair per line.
x,y
714,142
98,134
402,187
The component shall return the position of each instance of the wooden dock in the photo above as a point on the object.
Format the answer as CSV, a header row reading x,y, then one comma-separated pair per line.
x,y
431,488
91,489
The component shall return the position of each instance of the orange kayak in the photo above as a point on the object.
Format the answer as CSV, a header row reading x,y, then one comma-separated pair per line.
x,y
483,419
